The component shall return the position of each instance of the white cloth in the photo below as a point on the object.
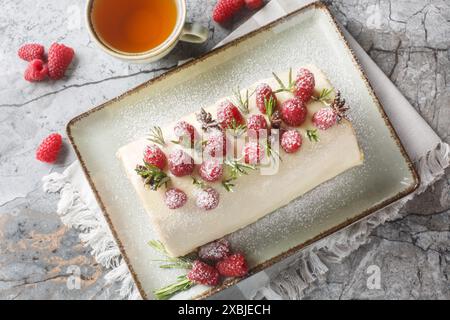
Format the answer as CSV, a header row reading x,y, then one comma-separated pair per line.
x,y
79,209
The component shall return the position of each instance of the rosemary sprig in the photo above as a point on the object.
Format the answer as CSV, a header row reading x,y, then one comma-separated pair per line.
x,y
312,135
338,104
324,96
242,102
158,246
183,283
271,153
153,177
270,106
228,184
182,142
170,263
199,183
237,130
290,85
238,168
156,136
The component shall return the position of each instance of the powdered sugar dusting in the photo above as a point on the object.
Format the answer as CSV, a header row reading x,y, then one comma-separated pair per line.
x,y
175,198
208,199
253,152
256,122
211,170
215,251
324,119
291,141
180,163
304,84
297,43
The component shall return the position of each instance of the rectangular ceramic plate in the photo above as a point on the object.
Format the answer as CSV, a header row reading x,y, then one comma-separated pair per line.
x,y
309,35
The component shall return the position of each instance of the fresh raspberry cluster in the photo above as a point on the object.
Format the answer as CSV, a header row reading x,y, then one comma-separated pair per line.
x,y
58,60
215,260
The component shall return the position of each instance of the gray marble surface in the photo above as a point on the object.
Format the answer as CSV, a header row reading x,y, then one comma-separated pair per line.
x,y
409,40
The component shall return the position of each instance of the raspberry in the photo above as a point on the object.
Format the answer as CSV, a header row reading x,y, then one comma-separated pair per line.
x,y
253,153
185,132
31,51
226,9
49,148
36,71
180,163
293,112
208,199
254,4
59,58
256,122
216,144
175,198
325,118
291,141
202,273
211,170
215,251
233,266
229,115
304,84
263,94
153,155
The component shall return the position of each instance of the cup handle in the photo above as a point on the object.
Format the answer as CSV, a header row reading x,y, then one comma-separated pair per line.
x,y
194,33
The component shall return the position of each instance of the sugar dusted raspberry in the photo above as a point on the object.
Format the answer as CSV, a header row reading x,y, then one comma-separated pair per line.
x,y
180,163
256,122
325,118
229,115
233,266
211,170
185,132
263,95
154,155
216,144
215,251
253,153
49,148
202,273
36,71
31,51
175,198
304,84
291,141
293,112
208,199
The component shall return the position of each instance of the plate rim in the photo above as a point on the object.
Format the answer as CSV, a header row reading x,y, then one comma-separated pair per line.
x,y
318,5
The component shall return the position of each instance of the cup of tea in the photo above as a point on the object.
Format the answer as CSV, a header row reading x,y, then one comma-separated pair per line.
x,y
141,30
